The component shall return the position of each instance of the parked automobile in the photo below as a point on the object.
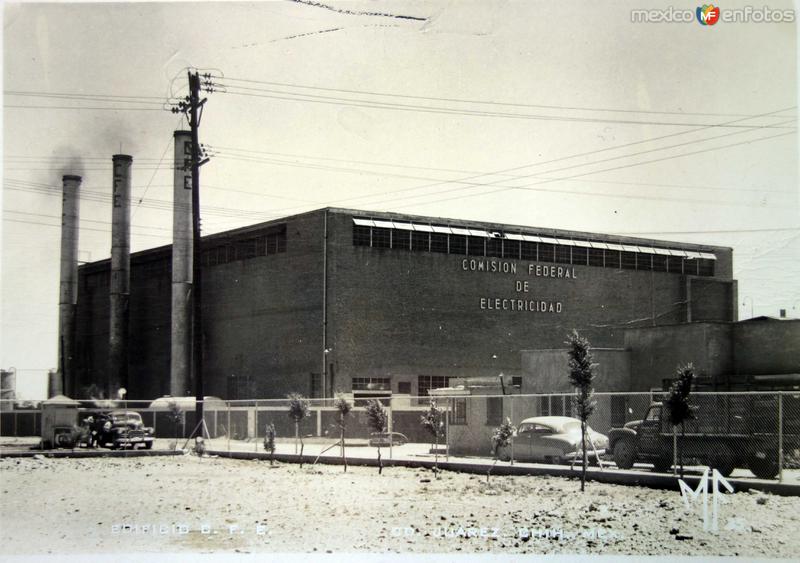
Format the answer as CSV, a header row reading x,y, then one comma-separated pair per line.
x,y
123,429
385,439
553,439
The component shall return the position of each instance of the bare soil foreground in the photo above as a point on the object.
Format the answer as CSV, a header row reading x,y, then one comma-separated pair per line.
x,y
186,503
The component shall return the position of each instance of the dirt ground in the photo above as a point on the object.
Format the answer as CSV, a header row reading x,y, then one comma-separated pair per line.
x,y
185,503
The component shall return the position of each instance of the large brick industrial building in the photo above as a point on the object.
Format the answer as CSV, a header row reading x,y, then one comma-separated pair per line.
x,y
367,302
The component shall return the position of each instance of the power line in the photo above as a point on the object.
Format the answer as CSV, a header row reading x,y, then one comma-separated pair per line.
x,y
81,107
292,96
486,102
571,167
529,187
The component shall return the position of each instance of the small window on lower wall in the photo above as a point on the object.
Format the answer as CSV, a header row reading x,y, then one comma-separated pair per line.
x,y
459,415
494,411
404,388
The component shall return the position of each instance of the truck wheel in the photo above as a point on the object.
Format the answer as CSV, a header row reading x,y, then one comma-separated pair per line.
x,y
766,468
724,461
148,445
625,453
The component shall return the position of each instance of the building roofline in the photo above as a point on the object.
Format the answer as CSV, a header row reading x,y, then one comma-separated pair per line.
x,y
156,252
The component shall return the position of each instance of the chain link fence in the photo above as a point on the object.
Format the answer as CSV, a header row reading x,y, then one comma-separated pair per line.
x,y
744,434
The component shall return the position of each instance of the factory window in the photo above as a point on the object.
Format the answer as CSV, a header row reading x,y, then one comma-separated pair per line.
x,y
511,248
316,386
421,241
612,258
516,381
494,411
381,238
361,235
675,264
438,242
547,252
427,382
579,255
706,267
458,244
459,416
476,246
563,254
371,384
596,257
528,250
245,249
690,266
628,260
276,242
401,239
494,247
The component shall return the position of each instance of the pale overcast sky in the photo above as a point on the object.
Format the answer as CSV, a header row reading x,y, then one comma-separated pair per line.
x,y
548,114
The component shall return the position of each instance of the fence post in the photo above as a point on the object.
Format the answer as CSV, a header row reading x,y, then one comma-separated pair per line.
x,y
228,428
674,450
780,437
512,422
255,429
391,439
447,432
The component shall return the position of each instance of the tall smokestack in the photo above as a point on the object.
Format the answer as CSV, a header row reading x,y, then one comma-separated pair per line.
x,y
120,274
68,287
181,343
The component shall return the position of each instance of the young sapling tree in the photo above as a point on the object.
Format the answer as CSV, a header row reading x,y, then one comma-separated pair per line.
x,y
344,408
377,421
433,422
501,438
269,441
677,404
175,415
581,376
298,410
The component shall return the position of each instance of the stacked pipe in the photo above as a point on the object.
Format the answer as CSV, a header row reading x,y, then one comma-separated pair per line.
x,y
68,286
182,246
119,288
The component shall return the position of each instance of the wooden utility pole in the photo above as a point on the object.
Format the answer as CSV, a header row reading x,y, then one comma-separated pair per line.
x,y
195,111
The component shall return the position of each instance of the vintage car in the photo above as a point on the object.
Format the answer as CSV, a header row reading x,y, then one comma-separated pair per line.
x,y
553,439
386,439
122,429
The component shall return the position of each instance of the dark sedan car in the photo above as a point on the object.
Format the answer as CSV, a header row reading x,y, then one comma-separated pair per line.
x,y
123,429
